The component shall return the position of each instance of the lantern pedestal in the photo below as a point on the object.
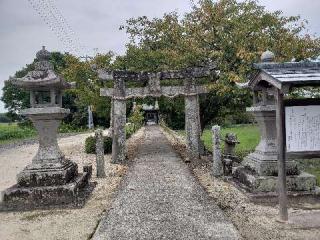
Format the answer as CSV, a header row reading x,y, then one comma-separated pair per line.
x,y
49,167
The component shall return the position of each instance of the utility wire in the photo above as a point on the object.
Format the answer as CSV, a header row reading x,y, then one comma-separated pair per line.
x,y
51,15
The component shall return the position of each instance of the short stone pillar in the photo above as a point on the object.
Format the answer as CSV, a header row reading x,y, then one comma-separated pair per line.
x,y
50,179
119,122
216,152
192,119
100,153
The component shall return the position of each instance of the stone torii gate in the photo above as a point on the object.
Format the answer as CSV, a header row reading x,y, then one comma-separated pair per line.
x,y
119,94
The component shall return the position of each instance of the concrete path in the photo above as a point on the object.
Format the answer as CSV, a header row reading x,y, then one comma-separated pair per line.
x,y
160,199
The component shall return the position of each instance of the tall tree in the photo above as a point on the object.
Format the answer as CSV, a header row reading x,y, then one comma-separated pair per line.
x,y
230,34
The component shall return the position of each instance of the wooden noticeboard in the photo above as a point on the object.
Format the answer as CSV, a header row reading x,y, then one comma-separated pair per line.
x,y
302,128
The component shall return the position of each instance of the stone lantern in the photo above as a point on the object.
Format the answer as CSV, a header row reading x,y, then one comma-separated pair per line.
x,y
50,179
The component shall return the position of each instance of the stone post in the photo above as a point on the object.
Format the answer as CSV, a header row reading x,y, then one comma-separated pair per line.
x,y
100,154
119,122
192,119
216,152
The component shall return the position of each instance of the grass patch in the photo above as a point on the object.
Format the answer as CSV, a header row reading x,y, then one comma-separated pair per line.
x,y
248,135
11,132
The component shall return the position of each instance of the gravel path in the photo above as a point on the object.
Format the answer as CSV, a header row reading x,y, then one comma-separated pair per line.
x,y
160,199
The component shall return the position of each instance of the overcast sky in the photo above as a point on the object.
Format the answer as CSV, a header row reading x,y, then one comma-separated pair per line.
x,y
95,24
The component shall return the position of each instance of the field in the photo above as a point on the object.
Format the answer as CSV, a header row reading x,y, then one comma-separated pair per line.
x,y
11,132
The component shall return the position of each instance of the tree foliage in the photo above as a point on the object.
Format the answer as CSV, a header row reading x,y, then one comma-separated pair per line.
x,y
87,90
230,34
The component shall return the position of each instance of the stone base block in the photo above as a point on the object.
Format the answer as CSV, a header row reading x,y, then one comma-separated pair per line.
x,y
256,184
19,198
36,175
267,164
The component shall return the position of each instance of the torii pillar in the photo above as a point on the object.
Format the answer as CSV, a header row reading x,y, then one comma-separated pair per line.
x,y
192,118
119,121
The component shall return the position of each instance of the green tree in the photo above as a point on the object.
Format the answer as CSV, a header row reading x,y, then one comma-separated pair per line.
x,y
229,34
87,90
136,118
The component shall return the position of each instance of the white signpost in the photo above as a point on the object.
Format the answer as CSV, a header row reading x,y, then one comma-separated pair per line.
x,y
303,128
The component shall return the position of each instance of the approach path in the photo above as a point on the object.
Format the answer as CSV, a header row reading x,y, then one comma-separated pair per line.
x,y
161,199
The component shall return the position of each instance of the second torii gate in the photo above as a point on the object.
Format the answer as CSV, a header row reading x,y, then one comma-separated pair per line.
x,y
119,94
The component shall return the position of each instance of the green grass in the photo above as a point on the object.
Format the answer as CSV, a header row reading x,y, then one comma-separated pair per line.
x,y
248,135
11,132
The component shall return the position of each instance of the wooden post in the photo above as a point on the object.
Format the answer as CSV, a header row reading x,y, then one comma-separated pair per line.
x,y
281,137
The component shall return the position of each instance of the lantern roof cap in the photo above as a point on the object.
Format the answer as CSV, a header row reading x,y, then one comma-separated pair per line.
x,y
43,77
267,56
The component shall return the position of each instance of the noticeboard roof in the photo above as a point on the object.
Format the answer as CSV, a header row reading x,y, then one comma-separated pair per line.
x,y
281,75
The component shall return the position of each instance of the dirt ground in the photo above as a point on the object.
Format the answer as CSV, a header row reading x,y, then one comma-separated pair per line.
x,y
254,222
66,223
